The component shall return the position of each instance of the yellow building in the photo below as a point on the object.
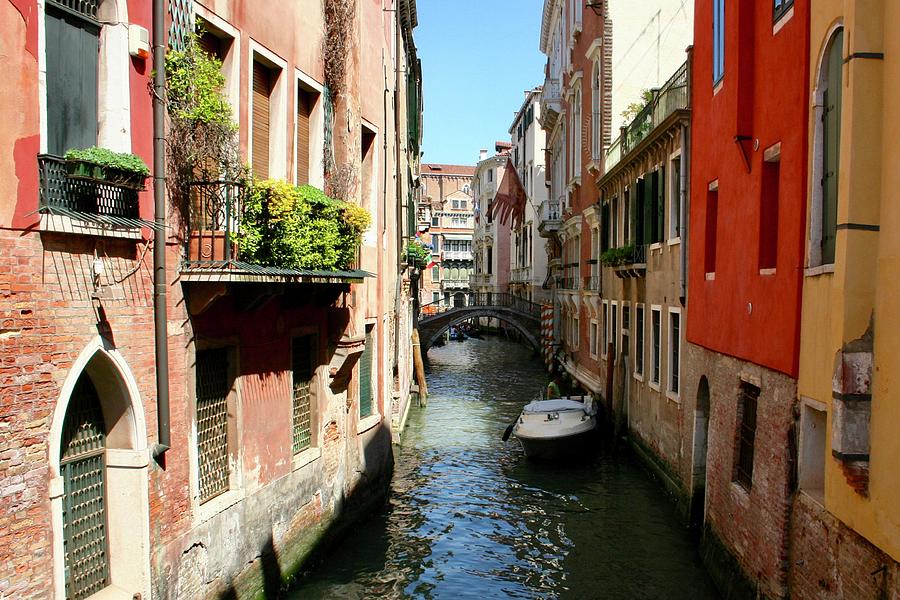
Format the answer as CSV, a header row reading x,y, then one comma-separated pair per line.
x,y
845,538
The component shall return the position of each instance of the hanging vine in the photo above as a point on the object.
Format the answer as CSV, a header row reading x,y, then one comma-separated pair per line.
x,y
337,45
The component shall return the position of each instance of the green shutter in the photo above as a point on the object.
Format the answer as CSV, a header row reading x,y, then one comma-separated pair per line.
x,y
831,147
661,206
637,214
365,376
650,193
73,50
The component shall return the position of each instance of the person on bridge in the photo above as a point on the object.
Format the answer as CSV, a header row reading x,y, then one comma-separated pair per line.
x,y
553,388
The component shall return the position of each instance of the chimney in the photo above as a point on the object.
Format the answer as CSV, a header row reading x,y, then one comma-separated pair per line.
x,y
482,154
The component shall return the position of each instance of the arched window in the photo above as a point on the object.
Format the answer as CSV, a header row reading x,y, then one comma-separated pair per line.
x,y
827,152
83,470
577,149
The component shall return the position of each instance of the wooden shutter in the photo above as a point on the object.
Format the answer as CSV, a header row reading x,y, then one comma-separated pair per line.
x,y
650,207
831,147
262,90
211,44
661,206
637,214
73,51
304,109
365,376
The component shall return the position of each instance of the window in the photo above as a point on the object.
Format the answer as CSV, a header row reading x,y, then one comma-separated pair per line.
x,y
655,207
831,144
655,341
749,395
490,260
712,218
592,339
596,145
718,63
780,8
435,273
674,351
614,224
675,198
626,218
303,367
306,100
576,332
72,53
639,341
812,449
768,215
603,350
490,175
614,330
435,296
624,347
213,386
435,220
263,84
366,403
577,149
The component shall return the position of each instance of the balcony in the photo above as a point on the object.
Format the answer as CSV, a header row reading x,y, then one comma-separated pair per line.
x,y
86,205
457,255
592,283
551,102
455,284
550,218
627,261
211,252
673,96
480,279
520,275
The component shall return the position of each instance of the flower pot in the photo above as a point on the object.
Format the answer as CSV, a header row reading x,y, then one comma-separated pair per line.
x,y
128,179
80,169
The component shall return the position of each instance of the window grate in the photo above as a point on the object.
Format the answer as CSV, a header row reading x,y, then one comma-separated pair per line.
x,y
82,467
747,434
87,196
212,421
301,422
85,8
365,377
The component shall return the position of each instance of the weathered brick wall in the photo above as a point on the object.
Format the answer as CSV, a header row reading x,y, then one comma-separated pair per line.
x,y
751,525
46,319
830,561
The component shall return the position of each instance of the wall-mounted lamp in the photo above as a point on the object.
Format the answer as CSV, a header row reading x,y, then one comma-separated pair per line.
x,y
596,6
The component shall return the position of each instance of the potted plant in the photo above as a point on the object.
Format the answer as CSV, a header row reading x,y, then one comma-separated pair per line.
x,y
118,168
417,254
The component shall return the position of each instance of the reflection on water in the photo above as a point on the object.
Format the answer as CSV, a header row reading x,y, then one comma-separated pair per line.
x,y
468,517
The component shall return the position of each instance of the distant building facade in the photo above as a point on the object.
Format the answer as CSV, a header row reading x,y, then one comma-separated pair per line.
x,y
491,236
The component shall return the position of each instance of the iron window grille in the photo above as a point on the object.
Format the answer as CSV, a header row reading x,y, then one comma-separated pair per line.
x,y
746,434
639,342
82,466
213,387
303,367
84,8
365,376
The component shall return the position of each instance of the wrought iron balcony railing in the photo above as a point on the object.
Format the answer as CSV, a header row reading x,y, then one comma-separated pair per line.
x,y
214,221
99,202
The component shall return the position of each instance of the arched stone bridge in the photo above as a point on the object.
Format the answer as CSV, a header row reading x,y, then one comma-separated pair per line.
x,y
522,315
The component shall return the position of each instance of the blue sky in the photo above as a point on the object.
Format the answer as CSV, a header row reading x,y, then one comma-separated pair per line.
x,y
478,58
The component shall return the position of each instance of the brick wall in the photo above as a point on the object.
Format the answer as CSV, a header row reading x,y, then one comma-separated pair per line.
x,y
750,525
830,561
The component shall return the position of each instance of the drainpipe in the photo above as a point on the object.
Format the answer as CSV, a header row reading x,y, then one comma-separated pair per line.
x,y
159,244
684,169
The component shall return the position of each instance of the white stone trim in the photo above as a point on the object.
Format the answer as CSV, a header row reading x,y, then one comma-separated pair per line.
x,y
277,112
316,131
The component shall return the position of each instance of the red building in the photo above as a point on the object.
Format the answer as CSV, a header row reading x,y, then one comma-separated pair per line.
x,y
747,220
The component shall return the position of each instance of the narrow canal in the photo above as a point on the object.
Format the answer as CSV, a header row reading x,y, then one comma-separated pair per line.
x,y
469,517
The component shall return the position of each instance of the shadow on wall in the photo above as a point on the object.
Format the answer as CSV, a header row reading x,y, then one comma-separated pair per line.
x,y
282,568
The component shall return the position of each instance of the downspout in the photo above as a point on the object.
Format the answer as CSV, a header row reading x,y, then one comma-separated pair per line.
x,y
684,168
161,337
401,203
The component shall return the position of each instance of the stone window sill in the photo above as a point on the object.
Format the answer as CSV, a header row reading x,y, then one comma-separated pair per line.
x,y
820,270
301,459
219,504
367,423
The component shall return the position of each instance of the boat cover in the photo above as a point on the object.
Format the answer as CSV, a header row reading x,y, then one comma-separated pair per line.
x,y
555,405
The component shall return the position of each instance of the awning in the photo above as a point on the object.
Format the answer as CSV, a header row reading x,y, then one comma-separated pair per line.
x,y
236,271
111,221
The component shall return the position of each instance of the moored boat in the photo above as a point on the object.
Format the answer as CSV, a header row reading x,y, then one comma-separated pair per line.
x,y
556,428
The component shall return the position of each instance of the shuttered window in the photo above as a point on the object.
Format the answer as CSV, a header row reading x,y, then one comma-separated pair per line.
x,y
73,53
82,467
660,212
639,341
305,102
262,93
831,118
655,326
365,376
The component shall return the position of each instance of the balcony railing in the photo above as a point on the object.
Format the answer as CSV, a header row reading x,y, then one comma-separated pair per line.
x,y
520,275
551,101
455,284
493,299
457,255
95,201
214,221
592,283
550,217
672,96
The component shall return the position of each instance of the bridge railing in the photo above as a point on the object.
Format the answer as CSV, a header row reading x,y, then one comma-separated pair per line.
x,y
485,300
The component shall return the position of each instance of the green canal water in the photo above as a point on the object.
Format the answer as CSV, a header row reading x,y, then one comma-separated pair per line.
x,y
469,517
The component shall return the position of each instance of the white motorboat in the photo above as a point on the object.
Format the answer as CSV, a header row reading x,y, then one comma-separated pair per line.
x,y
554,428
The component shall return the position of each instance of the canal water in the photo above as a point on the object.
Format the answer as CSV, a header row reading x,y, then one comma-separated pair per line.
x,y
469,517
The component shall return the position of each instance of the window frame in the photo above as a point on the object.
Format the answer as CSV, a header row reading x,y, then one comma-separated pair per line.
x,y
640,340
780,11
604,338
656,347
718,42
745,435
674,360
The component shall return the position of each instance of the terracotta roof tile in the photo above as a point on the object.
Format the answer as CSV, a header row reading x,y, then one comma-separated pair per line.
x,y
440,169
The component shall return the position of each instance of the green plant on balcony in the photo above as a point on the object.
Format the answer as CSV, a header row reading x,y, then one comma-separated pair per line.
x,y
287,226
118,168
202,138
616,257
418,254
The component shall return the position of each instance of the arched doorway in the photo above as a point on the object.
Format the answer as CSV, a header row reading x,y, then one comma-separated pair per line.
x,y
701,434
99,492
459,299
